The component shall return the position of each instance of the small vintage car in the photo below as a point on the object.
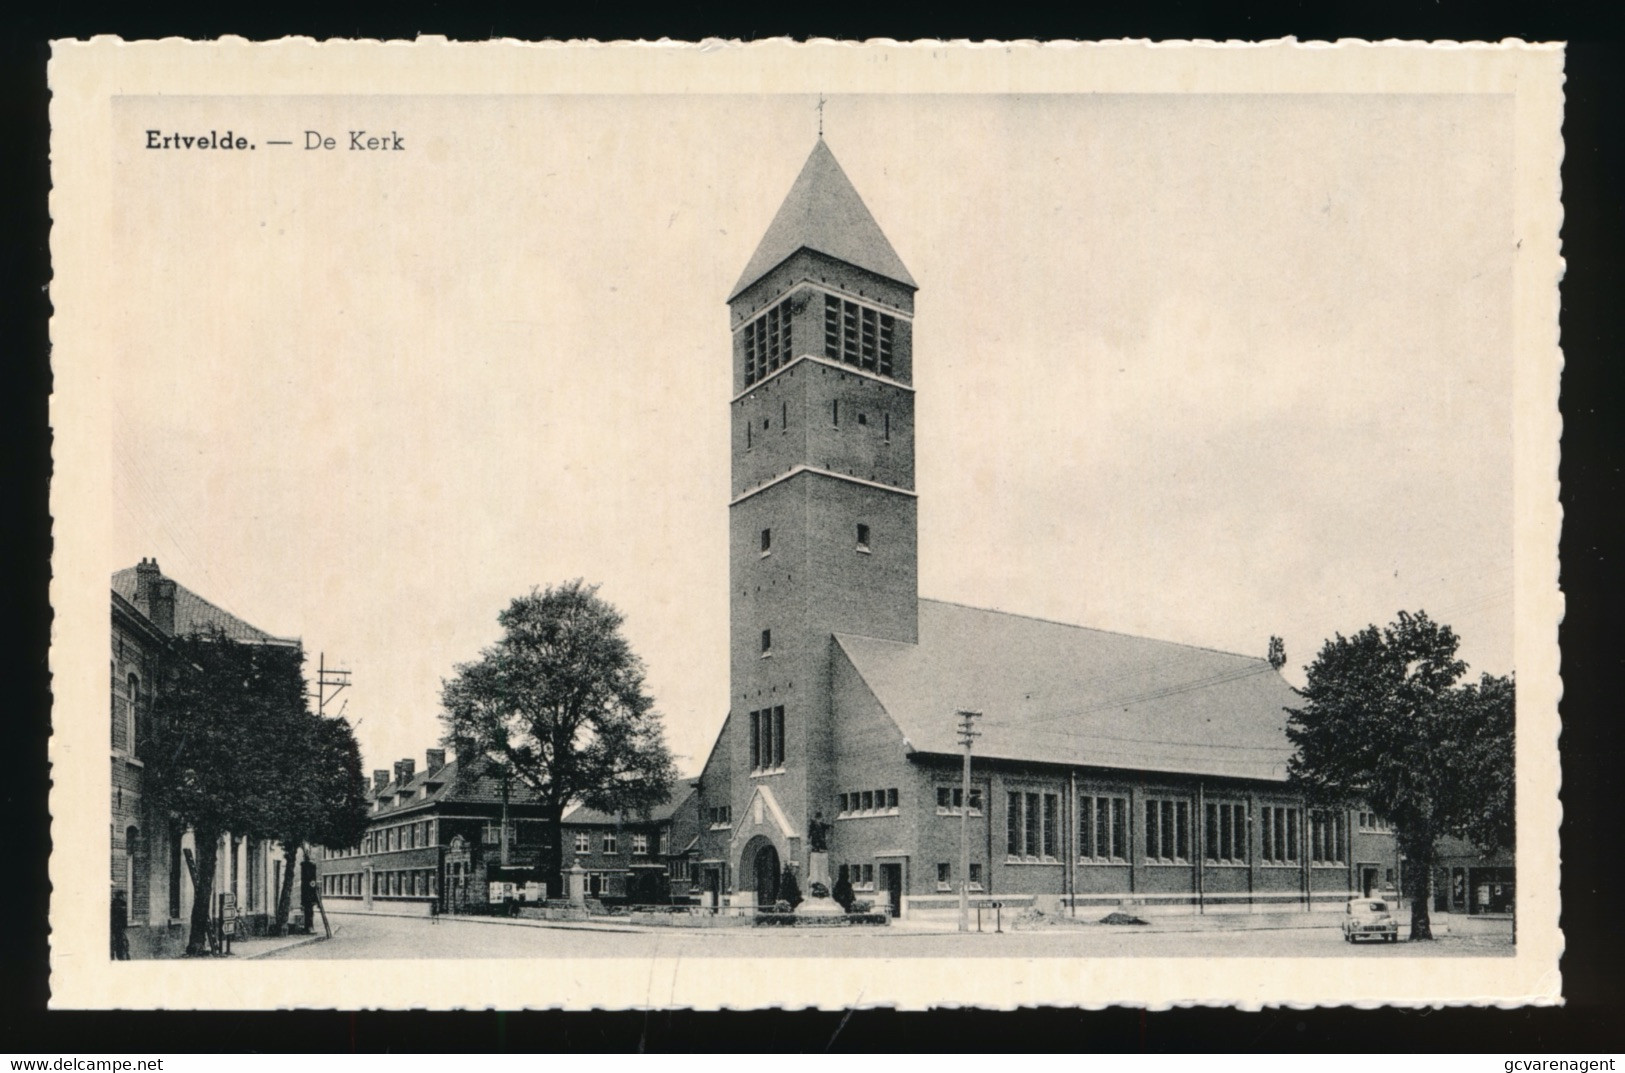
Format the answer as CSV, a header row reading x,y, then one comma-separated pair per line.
x,y
1369,918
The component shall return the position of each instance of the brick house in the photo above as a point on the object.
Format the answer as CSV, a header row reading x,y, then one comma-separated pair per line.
x,y
630,857
151,857
1110,768
435,837
1468,880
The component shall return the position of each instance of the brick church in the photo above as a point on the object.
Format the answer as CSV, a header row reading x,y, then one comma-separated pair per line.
x,y
1111,769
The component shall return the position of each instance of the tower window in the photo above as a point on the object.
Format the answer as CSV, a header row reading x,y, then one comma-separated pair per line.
x,y
767,642
887,421
765,423
859,335
767,541
863,419
747,436
767,342
863,537
835,413
784,417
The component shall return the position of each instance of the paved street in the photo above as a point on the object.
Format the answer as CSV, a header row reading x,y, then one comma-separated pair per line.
x,y
401,937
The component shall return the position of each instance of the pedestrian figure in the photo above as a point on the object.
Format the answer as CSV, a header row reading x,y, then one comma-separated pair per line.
x,y
307,895
121,942
434,911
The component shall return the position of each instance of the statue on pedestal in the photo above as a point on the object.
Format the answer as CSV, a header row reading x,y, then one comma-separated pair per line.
x,y
818,833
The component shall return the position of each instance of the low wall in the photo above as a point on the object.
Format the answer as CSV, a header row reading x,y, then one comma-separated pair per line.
x,y
692,918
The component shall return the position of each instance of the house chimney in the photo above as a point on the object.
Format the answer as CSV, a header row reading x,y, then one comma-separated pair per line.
x,y
434,760
404,769
380,779
155,595
146,583
162,609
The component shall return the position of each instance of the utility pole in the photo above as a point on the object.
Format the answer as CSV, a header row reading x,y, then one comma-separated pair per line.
x,y
967,734
328,678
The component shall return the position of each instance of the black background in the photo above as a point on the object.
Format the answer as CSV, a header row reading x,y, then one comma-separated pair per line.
x,y
1593,897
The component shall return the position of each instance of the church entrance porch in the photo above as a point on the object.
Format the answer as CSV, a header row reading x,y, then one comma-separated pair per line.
x,y
760,866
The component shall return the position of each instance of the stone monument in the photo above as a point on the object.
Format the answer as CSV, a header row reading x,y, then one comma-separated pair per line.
x,y
818,903
575,880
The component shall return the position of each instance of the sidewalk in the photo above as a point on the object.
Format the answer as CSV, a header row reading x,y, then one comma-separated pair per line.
x,y
265,945
513,922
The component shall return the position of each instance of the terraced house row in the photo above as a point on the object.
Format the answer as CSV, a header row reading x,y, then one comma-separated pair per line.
x,y
457,837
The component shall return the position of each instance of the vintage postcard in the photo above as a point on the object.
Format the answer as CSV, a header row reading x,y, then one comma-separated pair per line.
x,y
778,525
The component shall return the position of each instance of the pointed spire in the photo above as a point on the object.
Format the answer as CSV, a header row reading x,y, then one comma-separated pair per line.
x,y
823,212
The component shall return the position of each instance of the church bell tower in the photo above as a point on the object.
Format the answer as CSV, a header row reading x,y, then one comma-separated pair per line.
x,y
823,528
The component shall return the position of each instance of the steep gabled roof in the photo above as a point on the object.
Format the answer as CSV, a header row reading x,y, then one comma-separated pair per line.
x,y
1055,693
823,212
194,614
682,790
455,783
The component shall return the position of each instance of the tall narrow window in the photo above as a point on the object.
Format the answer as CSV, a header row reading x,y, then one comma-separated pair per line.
x,y
849,333
870,330
773,354
887,434
748,440
755,741
1167,831
750,353
1012,825
1052,824
835,413
887,331
1100,828
130,707
1030,844
832,327
778,736
767,642
863,537
767,541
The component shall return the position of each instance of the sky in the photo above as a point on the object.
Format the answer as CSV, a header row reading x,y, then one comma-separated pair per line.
x,y
1205,368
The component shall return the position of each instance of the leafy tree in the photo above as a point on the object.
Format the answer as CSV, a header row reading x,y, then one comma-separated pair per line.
x,y
1384,722
325,801
213,744
559,703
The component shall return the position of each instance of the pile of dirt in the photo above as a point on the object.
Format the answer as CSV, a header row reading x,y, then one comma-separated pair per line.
x,y
1120,917
1031,919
